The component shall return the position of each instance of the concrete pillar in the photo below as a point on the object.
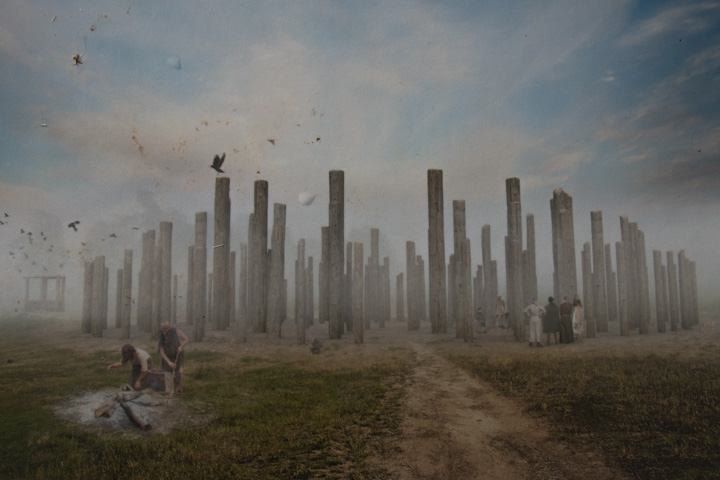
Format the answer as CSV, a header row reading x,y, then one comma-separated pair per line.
x,y
190,283
659,288
126,293
97,295
410,271
611,285
309,293
86,321
221,254
489,294
598,272
563,240
513,258
165,241
694,294
276,272
323,277
666,307
157,280
200,276
209,320
233,283
436,253
478,289
348,293
588,307
242,294
622,289
147,273
462,276
399,298
174,300
257,258
337,243
358,283
531,288
300,292
372,280
644,285
422,298
105,297
385,289
118,297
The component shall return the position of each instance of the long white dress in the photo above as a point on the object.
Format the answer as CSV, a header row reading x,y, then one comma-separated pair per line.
x,y
577,321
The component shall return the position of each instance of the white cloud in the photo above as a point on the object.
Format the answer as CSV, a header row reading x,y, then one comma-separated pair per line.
x,y
685,20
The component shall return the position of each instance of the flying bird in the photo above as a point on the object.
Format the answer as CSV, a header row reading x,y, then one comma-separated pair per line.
x,y
22,231
72,224
6,215
136,228
112,235
2,223
217,163
271,140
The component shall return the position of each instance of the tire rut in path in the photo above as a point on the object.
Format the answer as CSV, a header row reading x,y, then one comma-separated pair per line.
x,y
458,427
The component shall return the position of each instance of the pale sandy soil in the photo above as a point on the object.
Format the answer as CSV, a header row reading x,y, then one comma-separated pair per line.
x,y
454,426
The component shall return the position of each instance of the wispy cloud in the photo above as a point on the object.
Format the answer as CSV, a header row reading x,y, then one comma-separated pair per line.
x,y
686,20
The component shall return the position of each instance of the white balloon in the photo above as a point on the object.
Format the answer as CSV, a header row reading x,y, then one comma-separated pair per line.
x,y
306,198
174,62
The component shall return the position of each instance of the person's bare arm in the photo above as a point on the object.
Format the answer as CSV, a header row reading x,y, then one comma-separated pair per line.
x,y
184,339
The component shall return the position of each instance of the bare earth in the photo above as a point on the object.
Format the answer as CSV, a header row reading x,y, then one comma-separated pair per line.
x,y
455,426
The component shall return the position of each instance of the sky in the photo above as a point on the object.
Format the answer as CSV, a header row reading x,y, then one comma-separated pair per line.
x,y
614,101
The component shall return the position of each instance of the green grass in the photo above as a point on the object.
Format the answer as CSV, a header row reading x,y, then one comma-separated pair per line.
x,y
655,416
276,419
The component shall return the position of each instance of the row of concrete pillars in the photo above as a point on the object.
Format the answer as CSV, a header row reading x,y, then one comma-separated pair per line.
x,y
353,296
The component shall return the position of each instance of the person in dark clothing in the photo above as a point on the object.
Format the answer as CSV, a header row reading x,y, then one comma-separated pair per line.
x,y
170,346
551,321
566,329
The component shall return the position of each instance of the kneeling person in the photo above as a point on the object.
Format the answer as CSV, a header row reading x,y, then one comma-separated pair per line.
x,y
141,365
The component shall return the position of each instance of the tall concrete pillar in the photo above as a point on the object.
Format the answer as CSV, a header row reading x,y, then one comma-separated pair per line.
x,y
611,282
513,258
373,290
622,289
588,308
174,300
399,298
105,297
157,288
659,288
348,293
209,320
165,241
257,258
309,293
300,324
336,226
411,272
147,273
644,284
324,277
221,254
665,300
563,240
277,271
97,295
86,322
189,292
463,282
694,294
200,276
358,283
530,287
233,283
437,281
385,289
489,294
598,272
118,297
478,288
126,293
683,287
421,285
242,294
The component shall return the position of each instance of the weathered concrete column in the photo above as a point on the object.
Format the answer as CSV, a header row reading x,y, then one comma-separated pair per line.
x,y
336,224
257,258
147,274
666,306
358,283
399,298
221,254
385,289
373,289
563,239
105,297
489,294
513,258
324,277
233,283
118,297
165,241
277,271
436,253
422,298
633,284
126,293
531,287
200,276
644,285
683,287
300,292
462,278
97,295
209,312
598,272
157,280
694,294
588,308
659,288
242,294
86,322
410,270
622,288
348,292
189,292
174,300
478,289
611,282
309,293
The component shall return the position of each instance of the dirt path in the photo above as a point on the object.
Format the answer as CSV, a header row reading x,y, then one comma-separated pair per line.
x,y
458,427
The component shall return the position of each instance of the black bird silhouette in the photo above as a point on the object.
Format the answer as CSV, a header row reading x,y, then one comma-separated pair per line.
x,y
112,235
6,215
2,223
217,163
83,243
22,231
136,228
72,225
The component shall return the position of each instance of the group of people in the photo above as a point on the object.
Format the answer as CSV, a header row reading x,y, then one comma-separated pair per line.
x,y
170,346
565,320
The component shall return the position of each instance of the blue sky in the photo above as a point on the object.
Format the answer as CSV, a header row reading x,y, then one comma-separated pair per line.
x,y
614,101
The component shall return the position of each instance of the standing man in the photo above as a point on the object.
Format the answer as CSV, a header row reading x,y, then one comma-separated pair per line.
x,y
535,312
170,346
500,312
566,329
551,321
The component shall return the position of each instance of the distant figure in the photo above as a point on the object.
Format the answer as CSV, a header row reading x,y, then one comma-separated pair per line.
x,y
217,163
480,321
170,346
577,321
566,330
535,312
551,321
500,312
316,347
141,366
